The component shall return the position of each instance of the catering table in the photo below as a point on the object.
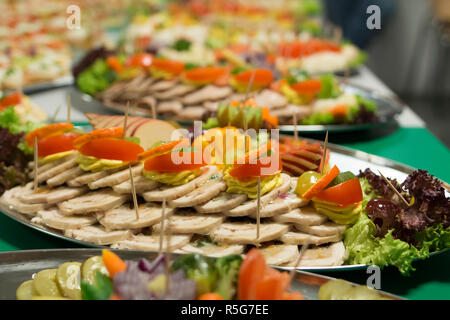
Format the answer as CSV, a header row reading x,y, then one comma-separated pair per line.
x,y
406,140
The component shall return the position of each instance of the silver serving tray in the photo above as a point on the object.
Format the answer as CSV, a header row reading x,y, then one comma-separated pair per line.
x,y
347,159
19,266
388,108
48,85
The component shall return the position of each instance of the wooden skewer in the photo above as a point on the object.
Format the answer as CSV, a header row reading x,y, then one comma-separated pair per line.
x,y
297,263
133,191
68,108
153,111
125,121
250,84
161,233
324,157
394,189
167,255
36,183
258,211
295,127
53,118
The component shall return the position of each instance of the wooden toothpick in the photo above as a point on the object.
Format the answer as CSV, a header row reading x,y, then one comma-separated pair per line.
x,y
68,108
53,118
324,157
161,232
133,191
299,259
125,121
153,111
250,84
35,164
167,255
295,127
393,188
258,210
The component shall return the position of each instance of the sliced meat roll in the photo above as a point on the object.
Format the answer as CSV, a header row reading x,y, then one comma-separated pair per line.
x,y
162,85
202,194
10,199
97,235
327,229
146,103
89,177
172,107
283,204
51,196
213,250
65,176
207,93
223,202
189,222
176,91
45,167
93,202
307,216
54,219
191,113
280,254
299,238
249,207
142,242
116,178
173,192
124,217
245,233
141,184
69,162
271,99
332,255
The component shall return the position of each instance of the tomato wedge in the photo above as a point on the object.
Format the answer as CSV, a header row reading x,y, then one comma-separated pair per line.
x,y
205,74
343,194
166,147
252,269
111,149
143,60
48,130
57,143
10,100
115,132
264,166
272,285
168,162
321,184
262,77
307,87
171,66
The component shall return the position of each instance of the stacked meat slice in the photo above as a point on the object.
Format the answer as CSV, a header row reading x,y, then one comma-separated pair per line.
x,y
182,102
201,216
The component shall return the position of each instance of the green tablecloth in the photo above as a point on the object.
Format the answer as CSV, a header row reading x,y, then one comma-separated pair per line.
x,y
416,147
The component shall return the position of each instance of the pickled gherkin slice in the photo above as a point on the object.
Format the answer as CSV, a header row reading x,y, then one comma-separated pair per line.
x,y
68,279
89,267
45,283
26,291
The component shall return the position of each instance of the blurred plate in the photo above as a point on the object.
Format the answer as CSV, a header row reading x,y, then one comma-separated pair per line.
x,y
42,86
19,266
345,158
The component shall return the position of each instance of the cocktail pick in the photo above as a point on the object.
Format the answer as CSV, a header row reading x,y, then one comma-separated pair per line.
x,y
125,121
167,255
294,119
153,111
36,184
249,86
258,210
299,259
324,156
161,232
53,118
394,189
68,108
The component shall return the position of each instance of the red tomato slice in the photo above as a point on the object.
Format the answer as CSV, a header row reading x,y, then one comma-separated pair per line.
x,y
10,100
205,74
343,194
307,86
262,77
262,167
112,149
272,285
143,60
252,270
48,130
57,143
168,162
171,66
115,132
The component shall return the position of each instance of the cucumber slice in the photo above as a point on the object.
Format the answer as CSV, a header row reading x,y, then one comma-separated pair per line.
x,y
68,280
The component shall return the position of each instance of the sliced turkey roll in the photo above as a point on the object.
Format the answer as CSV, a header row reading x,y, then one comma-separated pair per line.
x,y
279,254
176,91
124,217
162,85
200,195
10,199
213,250
207,93
93,202
332,255
143,242
223,202
141,184
50,195
172,192
54,219
89,177
116,178
327,229
65,176
299,238
190,222
307,216
97,235
245,233
249,207
69,162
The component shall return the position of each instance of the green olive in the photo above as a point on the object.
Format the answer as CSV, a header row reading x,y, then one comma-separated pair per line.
x,y
306,181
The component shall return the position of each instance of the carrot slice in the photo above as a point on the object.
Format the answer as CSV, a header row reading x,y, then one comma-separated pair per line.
x,y
166,147
210,296
252,269
48,130
307,86
113,263
339,111
261,77
321,184
114,64
205,74
165,162
171,66
272,286
115,132
112,149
